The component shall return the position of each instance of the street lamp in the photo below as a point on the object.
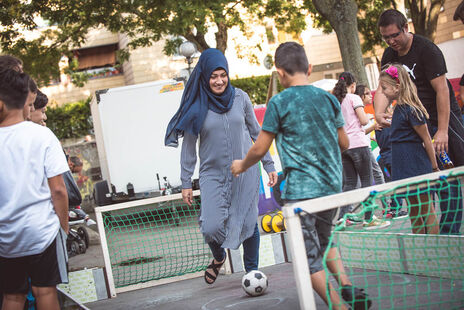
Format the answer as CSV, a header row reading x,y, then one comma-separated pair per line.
x,y
187,49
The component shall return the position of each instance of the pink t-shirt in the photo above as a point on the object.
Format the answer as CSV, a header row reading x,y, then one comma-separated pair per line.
x,y
353,127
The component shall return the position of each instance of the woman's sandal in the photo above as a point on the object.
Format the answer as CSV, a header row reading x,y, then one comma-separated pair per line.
x,y
215,267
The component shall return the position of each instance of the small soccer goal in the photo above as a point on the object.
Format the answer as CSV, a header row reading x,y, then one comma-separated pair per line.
x,y
413,258
151,241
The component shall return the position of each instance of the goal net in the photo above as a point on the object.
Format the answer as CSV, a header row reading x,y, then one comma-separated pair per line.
x,y
413,258
151,241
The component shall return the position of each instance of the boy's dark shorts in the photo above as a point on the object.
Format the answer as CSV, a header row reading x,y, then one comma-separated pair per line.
x,y
317,230
48,268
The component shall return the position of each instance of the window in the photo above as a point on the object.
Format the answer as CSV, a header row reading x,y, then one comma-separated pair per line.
x,y
99,61
96,57
328,76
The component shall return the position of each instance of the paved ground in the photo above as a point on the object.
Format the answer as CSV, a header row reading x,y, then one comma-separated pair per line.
x,y
226,293
406,292
93,257
400,291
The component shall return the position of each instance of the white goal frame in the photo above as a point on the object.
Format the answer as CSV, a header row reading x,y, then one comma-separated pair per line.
x,y
295,233
106,256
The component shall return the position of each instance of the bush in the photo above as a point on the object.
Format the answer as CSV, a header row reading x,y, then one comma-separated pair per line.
x,y
72,120
256,87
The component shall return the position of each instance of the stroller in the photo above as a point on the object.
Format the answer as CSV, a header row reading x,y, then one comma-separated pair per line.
x,y
78,237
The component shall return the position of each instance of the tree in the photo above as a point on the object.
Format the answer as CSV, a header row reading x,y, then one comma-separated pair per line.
x,y
424,16
342,17
143,21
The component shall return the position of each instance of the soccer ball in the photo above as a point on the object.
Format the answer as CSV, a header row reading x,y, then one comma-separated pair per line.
x,y
254,283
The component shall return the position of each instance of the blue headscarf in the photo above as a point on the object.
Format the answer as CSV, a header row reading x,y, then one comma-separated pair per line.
x,y
198,98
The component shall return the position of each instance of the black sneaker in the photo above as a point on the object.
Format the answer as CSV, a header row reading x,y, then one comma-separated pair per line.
x,y
356,297
402,214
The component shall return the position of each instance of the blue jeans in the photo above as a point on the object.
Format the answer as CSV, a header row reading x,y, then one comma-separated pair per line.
x,y
450,196
356,163
250,251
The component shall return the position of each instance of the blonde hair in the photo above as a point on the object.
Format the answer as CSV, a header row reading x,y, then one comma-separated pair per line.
x,y
407,90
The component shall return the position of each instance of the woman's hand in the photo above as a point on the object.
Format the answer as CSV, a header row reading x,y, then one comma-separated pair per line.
x,y
187,196
237,167
272,178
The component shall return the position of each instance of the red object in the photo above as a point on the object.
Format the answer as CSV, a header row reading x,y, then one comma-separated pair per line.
x,y
457,91
259,112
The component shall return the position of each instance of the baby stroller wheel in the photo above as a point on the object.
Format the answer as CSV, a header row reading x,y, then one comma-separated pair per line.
x,y
74,248
82,232
82,247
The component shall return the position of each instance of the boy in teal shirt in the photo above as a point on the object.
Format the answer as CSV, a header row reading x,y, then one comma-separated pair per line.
x,y
307,124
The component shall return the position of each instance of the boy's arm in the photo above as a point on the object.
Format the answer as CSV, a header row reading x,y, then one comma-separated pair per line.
x,y
60,200
423,132
343,141
255,153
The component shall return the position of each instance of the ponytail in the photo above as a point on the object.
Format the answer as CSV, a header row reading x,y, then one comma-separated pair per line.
x,y
340,89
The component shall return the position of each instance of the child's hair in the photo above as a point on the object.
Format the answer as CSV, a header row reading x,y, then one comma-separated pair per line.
x,y
395,74
40,101
10,62
32,86
14,88
345,80
291,57
392,17
76,161
360,90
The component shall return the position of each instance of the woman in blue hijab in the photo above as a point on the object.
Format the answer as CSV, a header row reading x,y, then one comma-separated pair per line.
x,y
223,119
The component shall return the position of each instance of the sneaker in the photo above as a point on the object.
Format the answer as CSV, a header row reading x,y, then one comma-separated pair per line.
x,y
376,223
356,298
345,223
389,214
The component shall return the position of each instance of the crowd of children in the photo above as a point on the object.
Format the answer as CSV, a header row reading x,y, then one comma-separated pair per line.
x,y
338,153
33,235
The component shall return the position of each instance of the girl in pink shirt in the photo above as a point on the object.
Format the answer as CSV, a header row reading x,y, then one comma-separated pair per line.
x,y
356,160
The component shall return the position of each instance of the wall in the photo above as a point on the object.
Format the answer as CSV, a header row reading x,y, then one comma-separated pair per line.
x,y
66,92
447,28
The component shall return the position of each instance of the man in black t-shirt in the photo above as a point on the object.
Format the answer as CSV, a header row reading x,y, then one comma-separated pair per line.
x,y
426,66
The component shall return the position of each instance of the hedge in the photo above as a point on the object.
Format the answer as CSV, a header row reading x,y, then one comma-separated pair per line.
x,y
256,87
73,120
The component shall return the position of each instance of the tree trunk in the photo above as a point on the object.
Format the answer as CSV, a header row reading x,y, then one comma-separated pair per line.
x,y
341,15
198,39
424,16
221,37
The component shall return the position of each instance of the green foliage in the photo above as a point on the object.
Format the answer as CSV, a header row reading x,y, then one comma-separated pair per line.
x,y
256,87
368,13
72,120
143,21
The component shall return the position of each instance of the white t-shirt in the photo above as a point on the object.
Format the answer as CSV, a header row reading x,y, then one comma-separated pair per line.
x,y
29,155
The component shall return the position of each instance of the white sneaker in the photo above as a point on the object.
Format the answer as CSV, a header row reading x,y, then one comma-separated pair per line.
x,y
376,223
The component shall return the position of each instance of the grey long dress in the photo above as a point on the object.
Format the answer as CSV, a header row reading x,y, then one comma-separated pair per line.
x,y
229,205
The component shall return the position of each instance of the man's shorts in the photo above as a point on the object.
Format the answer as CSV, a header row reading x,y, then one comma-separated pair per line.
x,y
48,268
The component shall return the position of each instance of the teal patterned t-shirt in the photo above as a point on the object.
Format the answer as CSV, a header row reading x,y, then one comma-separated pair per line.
x,y
305,120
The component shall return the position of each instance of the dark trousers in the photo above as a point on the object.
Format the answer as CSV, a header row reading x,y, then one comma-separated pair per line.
x,y
356,164
250,251
450,196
